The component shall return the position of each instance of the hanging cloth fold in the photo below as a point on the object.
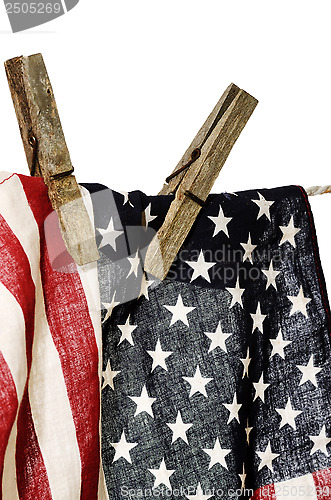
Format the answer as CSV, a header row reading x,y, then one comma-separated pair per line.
x,y
50,355
216,381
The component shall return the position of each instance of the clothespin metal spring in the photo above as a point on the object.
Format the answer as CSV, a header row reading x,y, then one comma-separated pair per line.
x,y
34,143
196,153
194,156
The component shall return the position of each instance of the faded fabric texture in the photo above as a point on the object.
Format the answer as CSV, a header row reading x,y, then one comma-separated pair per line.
x,y
50,354
216,381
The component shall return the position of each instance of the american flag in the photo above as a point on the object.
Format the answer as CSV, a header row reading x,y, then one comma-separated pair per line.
x,y
50,337
217,381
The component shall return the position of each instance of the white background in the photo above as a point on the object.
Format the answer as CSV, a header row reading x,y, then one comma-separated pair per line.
x,y
134,80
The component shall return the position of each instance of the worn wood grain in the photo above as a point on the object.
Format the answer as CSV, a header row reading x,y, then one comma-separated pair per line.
x,y
226,122
202,136
37,116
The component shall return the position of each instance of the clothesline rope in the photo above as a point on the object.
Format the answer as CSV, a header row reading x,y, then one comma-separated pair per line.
x,y
314,190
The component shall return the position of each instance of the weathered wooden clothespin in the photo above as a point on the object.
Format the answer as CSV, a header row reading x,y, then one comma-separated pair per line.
x,y
47,153
195,174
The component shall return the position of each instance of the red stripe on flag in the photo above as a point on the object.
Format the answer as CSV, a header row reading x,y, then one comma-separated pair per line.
x,y
322,480
267,492
32,482
15,274
8,410
73,335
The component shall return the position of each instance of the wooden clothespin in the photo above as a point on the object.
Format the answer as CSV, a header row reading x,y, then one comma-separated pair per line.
x,y
47,153
195,174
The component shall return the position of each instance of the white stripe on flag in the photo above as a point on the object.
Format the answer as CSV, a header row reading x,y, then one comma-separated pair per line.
x,y
89,276
297,488
47,390
102,488
5,175
9,483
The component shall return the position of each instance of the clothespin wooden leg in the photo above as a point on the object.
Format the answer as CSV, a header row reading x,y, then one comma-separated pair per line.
x,y
211,147
47,153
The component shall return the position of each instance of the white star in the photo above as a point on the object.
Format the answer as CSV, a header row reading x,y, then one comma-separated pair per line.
x,y
200,267
246,361
127,330
134,262
218,338
220,222
236,294
264,206
109,235
122,449
179,311
125,195
260,389
109,376
299,303
217,454
258,318
179,429
248,431
199,495
288,415
109,306
320,442
243,477
278,345
289,232
249,248
162,475
233,408
309,372
271,275
143,402
267,457
148,216
145,284
198,382
159,356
